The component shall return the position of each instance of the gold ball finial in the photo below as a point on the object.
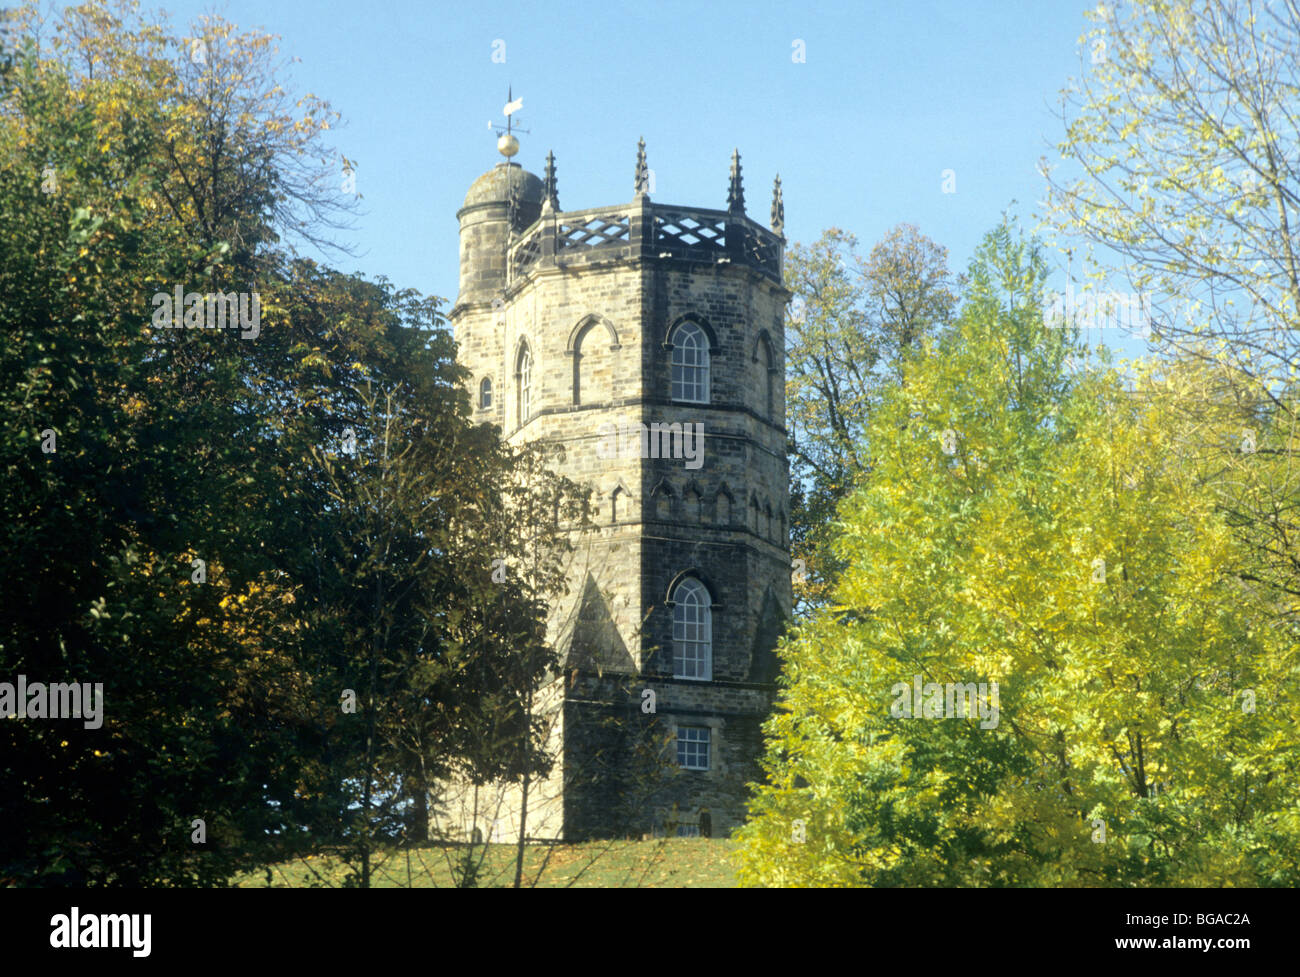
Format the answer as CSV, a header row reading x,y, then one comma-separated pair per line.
x,y
507,145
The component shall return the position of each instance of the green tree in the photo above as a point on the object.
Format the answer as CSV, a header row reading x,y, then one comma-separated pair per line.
x,y
1180,159
170,525
1049,532
854,322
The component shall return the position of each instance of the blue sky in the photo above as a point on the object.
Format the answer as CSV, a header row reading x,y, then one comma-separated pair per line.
x,y
890,96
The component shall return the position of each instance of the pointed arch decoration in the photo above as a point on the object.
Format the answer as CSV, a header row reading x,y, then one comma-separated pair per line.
x,y
693,502
584,325
591,383
662,496
620,503
723,506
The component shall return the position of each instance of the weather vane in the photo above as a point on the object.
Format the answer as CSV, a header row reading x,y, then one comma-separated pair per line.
x,y
507,144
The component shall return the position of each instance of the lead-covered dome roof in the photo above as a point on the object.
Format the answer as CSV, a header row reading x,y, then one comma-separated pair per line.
x,y
494,186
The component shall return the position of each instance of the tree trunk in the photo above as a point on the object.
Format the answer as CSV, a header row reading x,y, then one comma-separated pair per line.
x,y
523,803
418,832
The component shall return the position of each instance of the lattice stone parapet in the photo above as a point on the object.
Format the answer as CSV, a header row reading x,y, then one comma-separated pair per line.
x,y
526,253
690,232
582,231
646,231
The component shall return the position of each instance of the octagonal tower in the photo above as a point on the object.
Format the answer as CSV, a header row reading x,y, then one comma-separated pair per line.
x,y
647,341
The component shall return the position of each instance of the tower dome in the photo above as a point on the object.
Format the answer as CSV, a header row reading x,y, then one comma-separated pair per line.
x,y
489,221
494,187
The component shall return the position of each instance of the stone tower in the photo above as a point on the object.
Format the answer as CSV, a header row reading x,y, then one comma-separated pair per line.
x,y
647,341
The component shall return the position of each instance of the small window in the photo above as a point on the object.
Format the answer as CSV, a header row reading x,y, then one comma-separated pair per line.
x,y
690,364
693,747
485,393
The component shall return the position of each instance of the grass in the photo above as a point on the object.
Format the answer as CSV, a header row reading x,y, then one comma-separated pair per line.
x,y
656,863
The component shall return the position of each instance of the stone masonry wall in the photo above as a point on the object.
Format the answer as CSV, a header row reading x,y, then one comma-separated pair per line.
x,y
599,339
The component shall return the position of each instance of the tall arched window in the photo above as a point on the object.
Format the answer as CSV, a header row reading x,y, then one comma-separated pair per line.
x,y
485,393
524,376
690,363
767,377
692,631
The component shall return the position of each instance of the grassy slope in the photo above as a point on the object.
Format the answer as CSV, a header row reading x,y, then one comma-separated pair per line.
x,y
674,862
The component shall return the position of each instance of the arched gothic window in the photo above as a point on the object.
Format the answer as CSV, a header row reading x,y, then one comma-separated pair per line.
x,y
524,376
690,364
767,377
485,393
692,631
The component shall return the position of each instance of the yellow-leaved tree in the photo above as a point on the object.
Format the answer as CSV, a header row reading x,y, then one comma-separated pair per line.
x,y
1045,663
